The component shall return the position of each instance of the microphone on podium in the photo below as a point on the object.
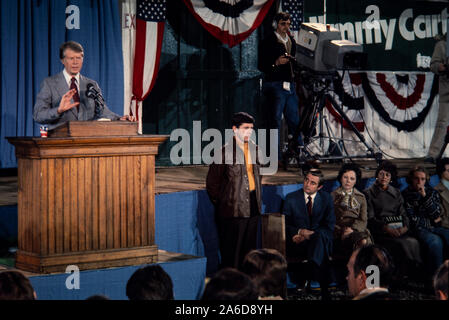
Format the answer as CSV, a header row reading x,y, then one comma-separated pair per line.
x,y
98,98
93,93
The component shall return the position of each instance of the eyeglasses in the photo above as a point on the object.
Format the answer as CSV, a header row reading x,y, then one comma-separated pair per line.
x,y
384,174
285,23
71,59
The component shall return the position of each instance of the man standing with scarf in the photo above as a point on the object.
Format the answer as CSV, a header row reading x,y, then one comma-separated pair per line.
x,y
276,60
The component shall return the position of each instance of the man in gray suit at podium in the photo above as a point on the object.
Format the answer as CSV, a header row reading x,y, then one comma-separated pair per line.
x,y
69,96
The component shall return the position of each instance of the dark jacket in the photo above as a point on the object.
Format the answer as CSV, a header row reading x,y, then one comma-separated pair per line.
x,y
228,186
422,211
383,206
269,50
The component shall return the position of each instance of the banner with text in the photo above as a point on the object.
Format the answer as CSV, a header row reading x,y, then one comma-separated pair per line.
x,y
396,35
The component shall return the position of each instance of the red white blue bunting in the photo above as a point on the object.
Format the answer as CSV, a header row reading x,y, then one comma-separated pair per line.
x,y
401,99
230,21
348,94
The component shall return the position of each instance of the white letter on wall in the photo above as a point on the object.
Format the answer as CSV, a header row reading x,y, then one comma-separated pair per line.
x,y
72,281
73,20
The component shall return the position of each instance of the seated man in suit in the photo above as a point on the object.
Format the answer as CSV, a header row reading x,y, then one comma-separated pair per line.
x,y
310,222
63,97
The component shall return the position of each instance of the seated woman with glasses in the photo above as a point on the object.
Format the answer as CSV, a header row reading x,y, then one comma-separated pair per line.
x,y
388,221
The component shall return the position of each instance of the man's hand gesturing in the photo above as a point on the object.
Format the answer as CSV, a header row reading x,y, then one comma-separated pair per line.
x,y
65,104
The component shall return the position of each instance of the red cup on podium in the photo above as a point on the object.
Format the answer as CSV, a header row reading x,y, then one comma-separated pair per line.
x,y
44,131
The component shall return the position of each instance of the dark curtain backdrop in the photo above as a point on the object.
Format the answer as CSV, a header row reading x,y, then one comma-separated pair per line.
x,y
31,32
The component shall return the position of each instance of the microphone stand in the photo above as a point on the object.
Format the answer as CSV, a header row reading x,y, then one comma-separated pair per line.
x,y
99,106
99,102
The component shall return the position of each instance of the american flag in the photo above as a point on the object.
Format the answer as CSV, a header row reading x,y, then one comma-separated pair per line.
x,y
296,10
149,35
151,10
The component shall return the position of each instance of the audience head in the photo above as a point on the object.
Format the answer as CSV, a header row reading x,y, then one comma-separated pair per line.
x,y
313,181
360,260
417,177
349,175
443,168
386,173
150,283
230,284
268,270
15,286
440,281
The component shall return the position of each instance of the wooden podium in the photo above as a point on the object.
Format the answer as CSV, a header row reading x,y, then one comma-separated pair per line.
x,y
86,200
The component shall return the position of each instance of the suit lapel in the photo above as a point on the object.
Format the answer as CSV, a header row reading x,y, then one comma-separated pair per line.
x,y
61,84
302,202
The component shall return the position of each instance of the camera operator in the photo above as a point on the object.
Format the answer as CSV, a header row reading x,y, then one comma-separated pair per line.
x,y
276,59
439,66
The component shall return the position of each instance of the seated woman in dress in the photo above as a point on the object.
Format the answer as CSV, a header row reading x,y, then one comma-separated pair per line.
x,y
388,221
350,208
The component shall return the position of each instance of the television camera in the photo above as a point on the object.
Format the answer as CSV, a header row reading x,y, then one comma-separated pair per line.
x,y
320,54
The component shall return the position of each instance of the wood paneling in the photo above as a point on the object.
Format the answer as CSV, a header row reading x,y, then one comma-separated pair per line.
x,y
59,223
73,207
273,232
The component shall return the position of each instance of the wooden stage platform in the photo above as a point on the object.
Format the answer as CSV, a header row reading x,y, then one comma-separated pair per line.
x,y
162,257
187,178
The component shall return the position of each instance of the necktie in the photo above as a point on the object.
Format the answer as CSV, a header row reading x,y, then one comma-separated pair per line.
x,y
309,205
76,96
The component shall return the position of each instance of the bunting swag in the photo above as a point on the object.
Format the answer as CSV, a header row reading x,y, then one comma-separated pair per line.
x,y
230,21
401,100
349,96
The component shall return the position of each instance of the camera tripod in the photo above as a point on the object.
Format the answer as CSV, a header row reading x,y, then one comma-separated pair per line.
x,y
319,87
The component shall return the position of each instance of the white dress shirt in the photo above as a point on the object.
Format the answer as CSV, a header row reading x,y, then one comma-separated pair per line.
x,y
306,198
68,79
